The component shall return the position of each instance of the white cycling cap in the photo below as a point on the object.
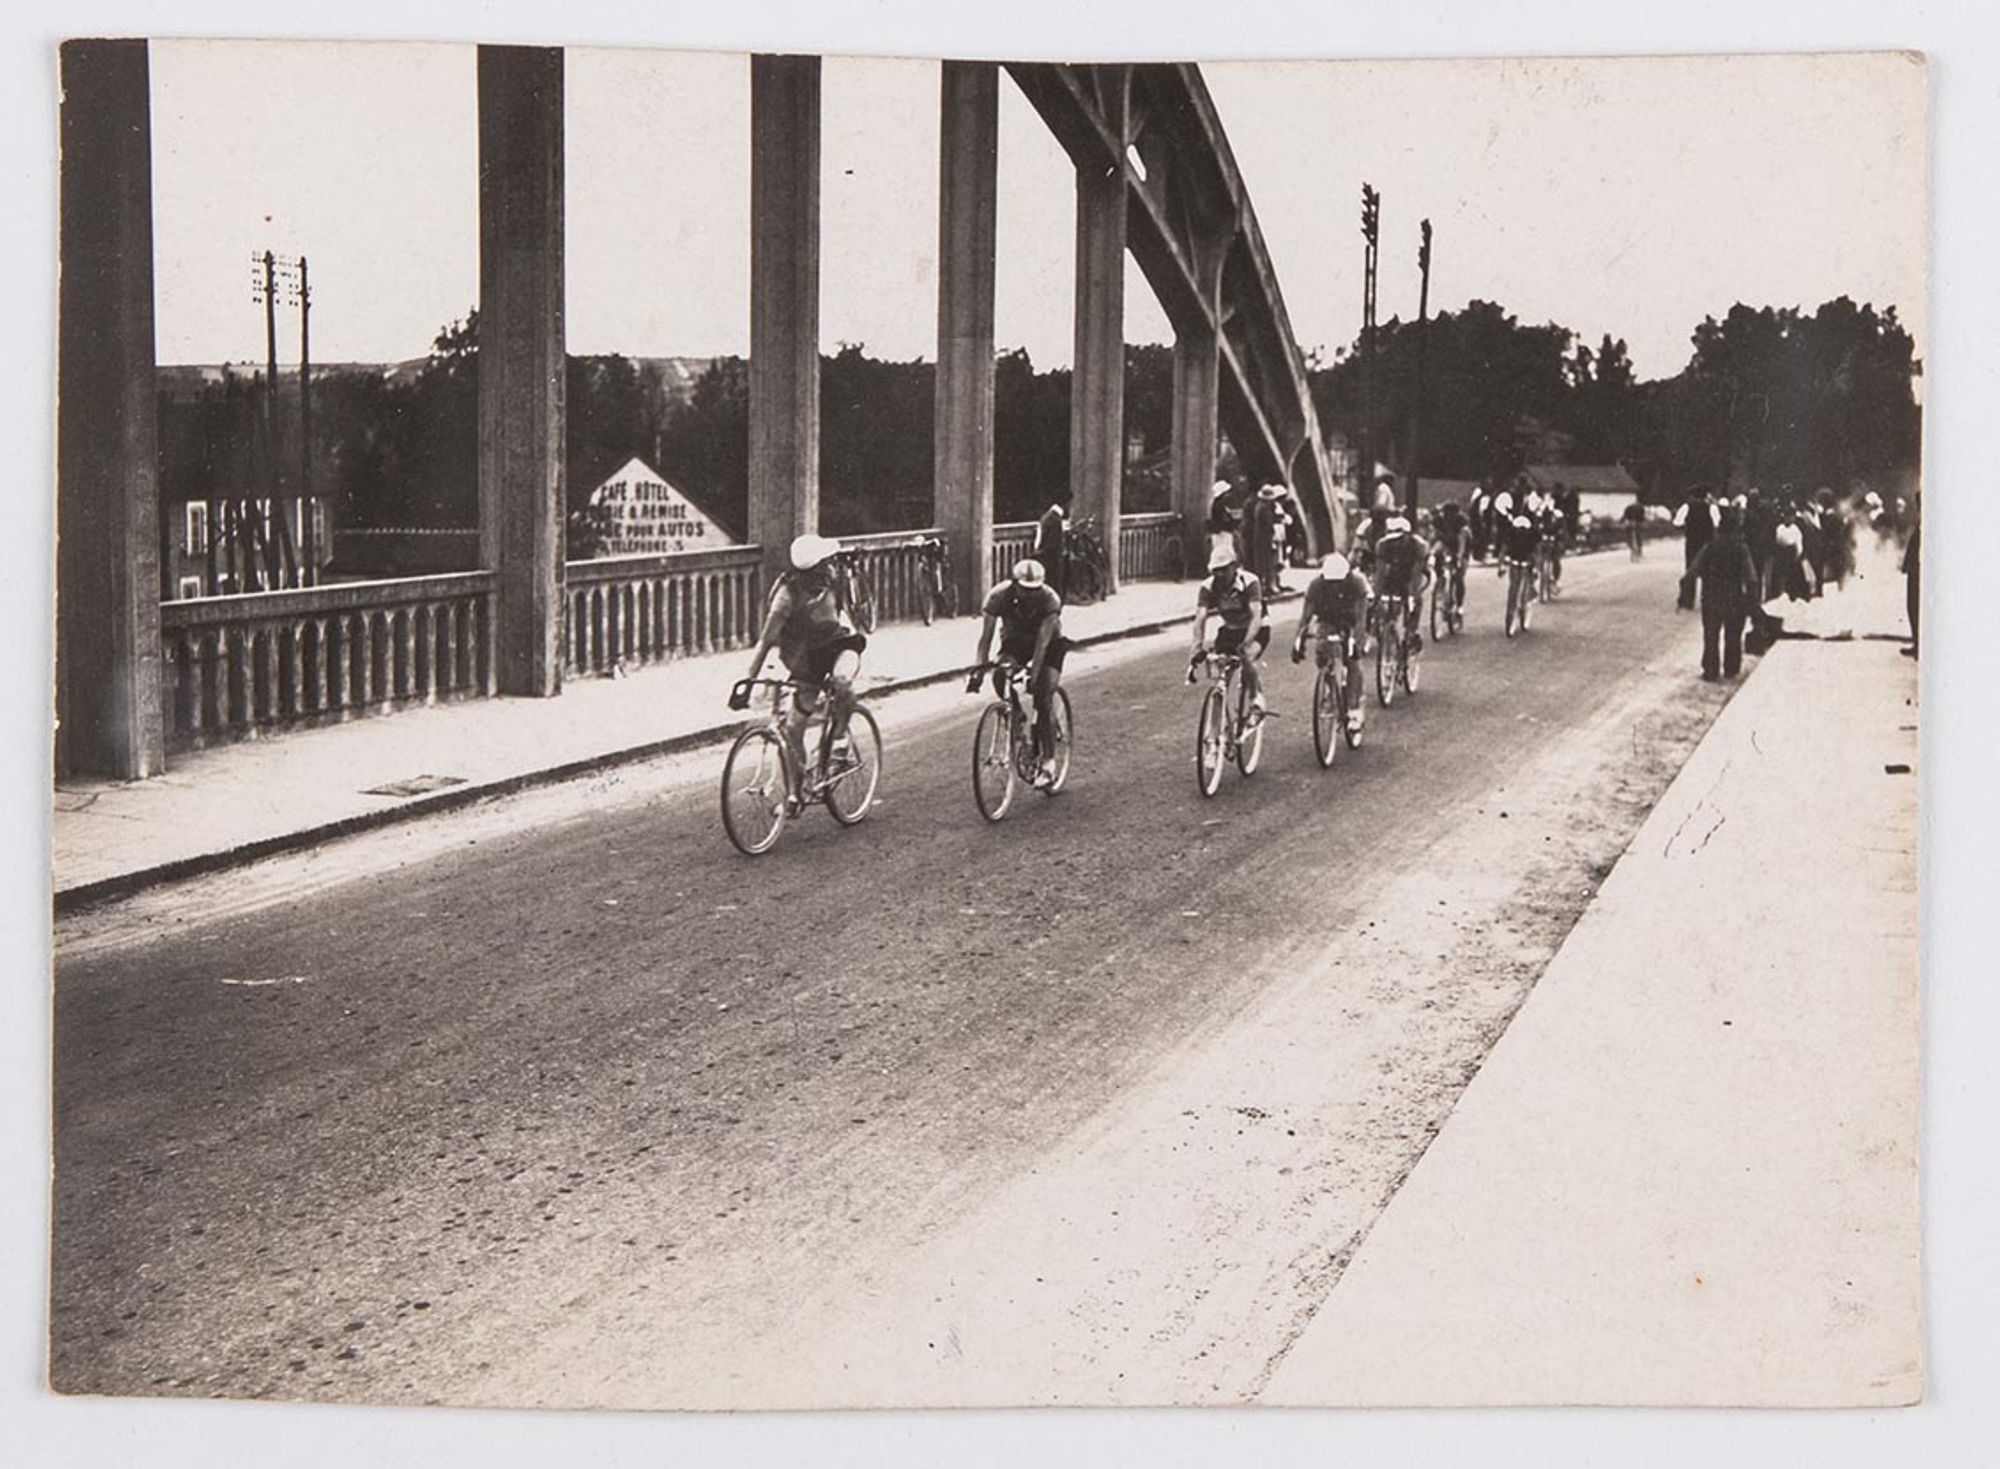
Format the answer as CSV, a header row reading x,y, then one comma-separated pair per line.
x,y
1396,522
809,550
1221,554
1029,573
1335,567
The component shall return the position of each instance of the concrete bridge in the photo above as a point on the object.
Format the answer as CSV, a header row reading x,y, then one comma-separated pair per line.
x,y
139,674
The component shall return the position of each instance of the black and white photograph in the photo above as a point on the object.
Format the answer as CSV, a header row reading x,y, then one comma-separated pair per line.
x,y
782,730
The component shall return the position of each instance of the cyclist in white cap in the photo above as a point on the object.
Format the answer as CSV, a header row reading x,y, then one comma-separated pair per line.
x,y
1237,598
816,640
1028,613
1336,611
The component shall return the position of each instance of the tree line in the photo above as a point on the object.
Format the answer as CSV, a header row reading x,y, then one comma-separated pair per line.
x,y
1769,396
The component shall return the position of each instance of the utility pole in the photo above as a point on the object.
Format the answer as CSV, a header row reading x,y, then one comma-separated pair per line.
x,y
1417,403
1371,228
308,531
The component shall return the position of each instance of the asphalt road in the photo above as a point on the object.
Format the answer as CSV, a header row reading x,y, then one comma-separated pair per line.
x,y
600,1091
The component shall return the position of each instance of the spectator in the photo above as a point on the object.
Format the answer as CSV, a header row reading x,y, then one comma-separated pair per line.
x,y
1911,560
1051,532
1727,577
1696,519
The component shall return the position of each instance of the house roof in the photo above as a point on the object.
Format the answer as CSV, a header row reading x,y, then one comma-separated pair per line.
x,y
1583,478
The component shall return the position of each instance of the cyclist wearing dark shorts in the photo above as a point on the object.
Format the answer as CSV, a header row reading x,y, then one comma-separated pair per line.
x,y
1028,614
1454,546
1236,598
1336,609
1402,569
816,640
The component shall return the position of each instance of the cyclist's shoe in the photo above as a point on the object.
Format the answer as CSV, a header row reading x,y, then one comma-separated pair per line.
x,y
1259,712
1045,772
739,697
973,681
1354,719
1416,643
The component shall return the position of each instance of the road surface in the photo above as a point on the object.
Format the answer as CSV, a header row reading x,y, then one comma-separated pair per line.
x,y
562,1101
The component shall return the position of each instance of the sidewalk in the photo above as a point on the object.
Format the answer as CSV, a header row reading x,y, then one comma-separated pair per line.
x,y
1687,1172
234,803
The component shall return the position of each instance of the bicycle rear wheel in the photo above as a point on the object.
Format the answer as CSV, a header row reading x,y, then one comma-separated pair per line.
x,y
1439,616
756,787
1327,713
1065,741
1412,665
1209,740
1512,615
854,770
1351,732
993,761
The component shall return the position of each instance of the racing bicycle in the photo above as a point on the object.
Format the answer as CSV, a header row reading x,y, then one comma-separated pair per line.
x,y
937,588
1229,726
1332,699
1520,594
1004,756
1447,597
761,789
1398,647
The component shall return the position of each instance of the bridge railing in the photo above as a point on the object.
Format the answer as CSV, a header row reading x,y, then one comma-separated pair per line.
x,y
625,611
1149,546
239,666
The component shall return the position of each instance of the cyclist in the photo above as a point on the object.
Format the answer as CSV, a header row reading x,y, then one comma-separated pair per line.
x,y
1383,506
816,640
1028,613
1237,598
1549,521
1336,609
1454,548
1519,541
1402,569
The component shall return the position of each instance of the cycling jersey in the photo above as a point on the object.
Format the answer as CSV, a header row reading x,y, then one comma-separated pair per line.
x,y
1021,610
812,619
1237,604
1340,606
1399,557
1522,539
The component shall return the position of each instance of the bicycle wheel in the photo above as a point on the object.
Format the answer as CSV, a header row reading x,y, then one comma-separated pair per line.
x,y
930,599
1249,732
1439,615
1512,615
1065,742
1328,716
756,785
1388,654
1209,740
1412,664
1527,607
993,761
854,770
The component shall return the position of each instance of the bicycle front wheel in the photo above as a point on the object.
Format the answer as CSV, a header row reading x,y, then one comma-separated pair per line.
x,y
756,788
854,769
1440,617
1065,740
862,600
1249,732
1513,613
1327,713
1413,662
1210,738
993,762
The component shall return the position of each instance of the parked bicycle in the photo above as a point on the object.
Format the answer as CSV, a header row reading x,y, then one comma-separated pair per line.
x,y
937,587
852,586
1398,648
1004,756
1088,567
761,787
1229,726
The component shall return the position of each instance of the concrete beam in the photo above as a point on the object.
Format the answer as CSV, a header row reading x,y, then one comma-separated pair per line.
x,y
962,494
522,365
1197,409
1097,381
784,302
108,663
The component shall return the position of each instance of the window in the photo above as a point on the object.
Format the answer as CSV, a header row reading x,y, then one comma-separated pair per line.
x,y
190,587
196,537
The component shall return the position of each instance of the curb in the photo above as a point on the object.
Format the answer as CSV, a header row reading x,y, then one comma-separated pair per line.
x,y
123,885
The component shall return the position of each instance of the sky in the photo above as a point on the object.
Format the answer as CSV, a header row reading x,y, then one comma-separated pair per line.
x,y
1621,197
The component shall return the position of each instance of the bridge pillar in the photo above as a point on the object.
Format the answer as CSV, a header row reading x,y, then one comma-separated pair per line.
x,y
784,303
108,664
1197,409
968,158
1097,382
522,366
